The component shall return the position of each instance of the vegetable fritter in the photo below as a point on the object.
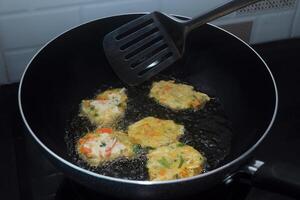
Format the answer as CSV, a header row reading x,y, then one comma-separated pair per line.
x,y
177,96
104,144
154,132
106,109
174,161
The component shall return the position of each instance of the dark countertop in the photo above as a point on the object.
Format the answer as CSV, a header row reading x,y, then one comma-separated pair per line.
x,y
281,145
283,142
8,170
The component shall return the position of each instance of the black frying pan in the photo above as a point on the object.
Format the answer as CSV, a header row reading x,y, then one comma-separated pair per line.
x,y
73,66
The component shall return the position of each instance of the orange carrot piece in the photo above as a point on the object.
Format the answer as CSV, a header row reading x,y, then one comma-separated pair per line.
x,y
109,149
196,103
89,137
104,130
81,141
112,146
167,87
85,150
184,173
162,172
86,103
107,154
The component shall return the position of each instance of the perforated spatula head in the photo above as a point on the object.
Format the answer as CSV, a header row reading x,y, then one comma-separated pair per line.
x,y
143,47
140,49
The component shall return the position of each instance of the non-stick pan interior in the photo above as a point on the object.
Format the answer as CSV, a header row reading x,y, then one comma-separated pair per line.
x,y
73,67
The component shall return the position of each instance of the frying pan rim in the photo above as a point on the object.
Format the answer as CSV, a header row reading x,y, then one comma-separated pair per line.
x,y
87,172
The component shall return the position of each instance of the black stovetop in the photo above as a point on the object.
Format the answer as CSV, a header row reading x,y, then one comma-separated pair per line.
x,y
26,174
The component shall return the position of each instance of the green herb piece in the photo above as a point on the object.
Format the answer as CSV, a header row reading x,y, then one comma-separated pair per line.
x,y
102,144
176,176
163,161
92,108
149,148
136,148
96,114
181,161
180,144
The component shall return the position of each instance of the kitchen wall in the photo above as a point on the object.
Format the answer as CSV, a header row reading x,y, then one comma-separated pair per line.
x,y
25,25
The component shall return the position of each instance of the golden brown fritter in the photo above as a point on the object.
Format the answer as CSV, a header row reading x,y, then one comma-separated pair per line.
x,y
154,132
177,96
104,144
174,161
106,109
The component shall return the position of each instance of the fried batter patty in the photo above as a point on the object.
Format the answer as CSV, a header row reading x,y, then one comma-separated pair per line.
x,y
104,144
154,132
174,161
177,96
106,109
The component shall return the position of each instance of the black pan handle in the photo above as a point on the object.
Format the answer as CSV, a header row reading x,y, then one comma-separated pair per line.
x,y
216,13
277,177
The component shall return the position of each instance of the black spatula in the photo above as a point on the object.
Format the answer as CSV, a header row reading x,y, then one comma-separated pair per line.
x,y
145,46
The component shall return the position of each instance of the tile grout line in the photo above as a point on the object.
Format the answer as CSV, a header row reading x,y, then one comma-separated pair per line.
x,y
57,7
5,67
294,18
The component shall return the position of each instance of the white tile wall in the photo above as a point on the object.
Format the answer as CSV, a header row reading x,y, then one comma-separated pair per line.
x,y
231,19
35,28
50,4
3,75
189,8
114,7
26,24
7,6
296,23
17,61
193,8
272,27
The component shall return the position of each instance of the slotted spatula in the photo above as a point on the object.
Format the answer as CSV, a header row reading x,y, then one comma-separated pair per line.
x,y
145,46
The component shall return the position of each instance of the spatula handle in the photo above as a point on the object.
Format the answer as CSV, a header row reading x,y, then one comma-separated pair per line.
x,y
218,12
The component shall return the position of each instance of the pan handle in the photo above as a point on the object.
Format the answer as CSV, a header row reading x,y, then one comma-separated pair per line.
x,y
281,177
